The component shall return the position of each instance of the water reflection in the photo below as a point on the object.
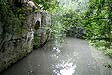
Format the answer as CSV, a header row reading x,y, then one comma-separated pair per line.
x,y
56,49
71,59
64,68
66,61
55,56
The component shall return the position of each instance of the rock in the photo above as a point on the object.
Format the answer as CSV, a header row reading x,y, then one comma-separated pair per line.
x,y
42,34
31,32
15,45
31,4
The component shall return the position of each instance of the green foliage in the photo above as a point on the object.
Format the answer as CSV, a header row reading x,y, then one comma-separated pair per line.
x,y
72,23
36,42
108,52
8,18
98,23
13,20
97,20
57,28
49,5
65,20
71,19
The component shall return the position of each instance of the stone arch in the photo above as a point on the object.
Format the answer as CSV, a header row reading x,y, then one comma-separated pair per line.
x,y
37,25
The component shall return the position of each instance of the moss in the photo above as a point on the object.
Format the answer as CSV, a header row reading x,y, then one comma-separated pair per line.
x,y
13,19
13,24
36,41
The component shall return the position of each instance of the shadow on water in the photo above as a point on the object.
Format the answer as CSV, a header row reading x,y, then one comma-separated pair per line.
x,y
72,58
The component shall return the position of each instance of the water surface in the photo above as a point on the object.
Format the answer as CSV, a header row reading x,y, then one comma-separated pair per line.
x,y
75,57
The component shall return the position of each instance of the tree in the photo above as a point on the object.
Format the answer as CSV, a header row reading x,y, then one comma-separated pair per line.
x,y
98,22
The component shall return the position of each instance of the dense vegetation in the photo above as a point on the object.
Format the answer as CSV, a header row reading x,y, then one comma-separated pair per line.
x,y
98,23
93,24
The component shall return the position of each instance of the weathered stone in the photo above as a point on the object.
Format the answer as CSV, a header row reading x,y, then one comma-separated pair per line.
x,y
14,46
42,33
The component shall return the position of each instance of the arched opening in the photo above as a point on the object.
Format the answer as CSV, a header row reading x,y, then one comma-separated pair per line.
x,y
37,25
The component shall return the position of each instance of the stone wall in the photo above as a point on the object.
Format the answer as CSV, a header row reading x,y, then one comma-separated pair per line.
x,y
42,33
31,32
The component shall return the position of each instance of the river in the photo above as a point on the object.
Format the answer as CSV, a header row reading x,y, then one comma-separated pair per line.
x,y
75,57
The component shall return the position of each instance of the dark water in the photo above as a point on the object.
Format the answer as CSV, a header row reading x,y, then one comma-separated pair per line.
x,y
73,58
